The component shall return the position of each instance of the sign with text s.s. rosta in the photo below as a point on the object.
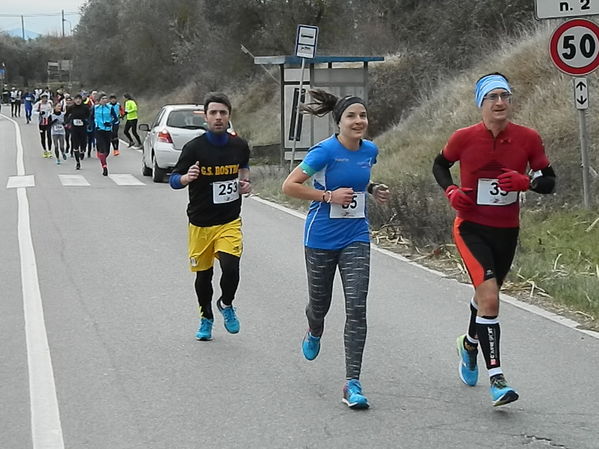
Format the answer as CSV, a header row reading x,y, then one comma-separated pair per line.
x,y
555,9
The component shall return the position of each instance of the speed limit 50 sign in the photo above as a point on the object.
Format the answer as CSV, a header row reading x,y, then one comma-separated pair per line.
x,y
574,47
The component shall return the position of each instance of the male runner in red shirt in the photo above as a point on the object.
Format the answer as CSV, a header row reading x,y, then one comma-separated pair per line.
x,y
494,156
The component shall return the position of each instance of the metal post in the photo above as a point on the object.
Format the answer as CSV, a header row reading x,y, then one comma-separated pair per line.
x,y
249,53
282,125
23,27
297,114
63,23
582,121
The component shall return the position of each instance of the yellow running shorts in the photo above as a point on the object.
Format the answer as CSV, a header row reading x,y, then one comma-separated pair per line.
x,y
205,242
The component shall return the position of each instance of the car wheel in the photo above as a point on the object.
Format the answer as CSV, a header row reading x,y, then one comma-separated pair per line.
x,y
158,173
145,170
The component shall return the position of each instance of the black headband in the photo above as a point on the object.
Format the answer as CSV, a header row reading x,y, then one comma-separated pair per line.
x,y
343,104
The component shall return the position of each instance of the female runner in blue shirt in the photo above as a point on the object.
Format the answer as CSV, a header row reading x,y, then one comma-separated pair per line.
x,y
336,231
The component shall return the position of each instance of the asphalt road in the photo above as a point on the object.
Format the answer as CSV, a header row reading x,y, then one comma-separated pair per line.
x,y
120,316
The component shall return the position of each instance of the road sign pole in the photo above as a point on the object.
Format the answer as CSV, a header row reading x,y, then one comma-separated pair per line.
x,y
581,101
306,40
574,49
297,114
582,121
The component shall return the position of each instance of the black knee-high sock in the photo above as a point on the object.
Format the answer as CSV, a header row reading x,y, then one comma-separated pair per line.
x,y
488,331
203,287
472,337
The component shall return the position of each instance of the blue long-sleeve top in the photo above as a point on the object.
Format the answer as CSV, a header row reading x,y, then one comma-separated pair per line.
x,y
104,117
116,108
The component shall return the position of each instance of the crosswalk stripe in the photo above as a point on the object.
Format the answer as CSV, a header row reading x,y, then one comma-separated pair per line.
x,y
126,179
121,179
20,181
73,180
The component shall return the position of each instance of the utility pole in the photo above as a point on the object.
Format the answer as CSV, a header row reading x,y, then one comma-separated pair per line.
x,y
3,73
23,27
63,23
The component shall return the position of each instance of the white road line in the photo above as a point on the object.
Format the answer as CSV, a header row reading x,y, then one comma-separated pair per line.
x,y
509,299
126,179
131,148
73,180
287,210
46,430
14,182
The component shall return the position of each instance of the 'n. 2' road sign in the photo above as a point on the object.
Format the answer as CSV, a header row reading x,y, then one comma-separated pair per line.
x,y
555,9
574,47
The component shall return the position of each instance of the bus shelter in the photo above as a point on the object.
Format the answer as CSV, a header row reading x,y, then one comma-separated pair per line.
x,y
340,75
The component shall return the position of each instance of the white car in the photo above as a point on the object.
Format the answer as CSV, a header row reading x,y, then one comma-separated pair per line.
x,y
173,127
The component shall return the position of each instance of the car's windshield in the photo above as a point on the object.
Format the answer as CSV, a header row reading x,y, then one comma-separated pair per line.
x,y
187,119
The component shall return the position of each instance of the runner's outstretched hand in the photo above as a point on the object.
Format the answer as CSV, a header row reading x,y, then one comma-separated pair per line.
x,y
194,172
381,193
343,196
458,198
513,181
245,186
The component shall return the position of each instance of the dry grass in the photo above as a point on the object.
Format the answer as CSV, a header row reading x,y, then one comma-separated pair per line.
x,y
257,112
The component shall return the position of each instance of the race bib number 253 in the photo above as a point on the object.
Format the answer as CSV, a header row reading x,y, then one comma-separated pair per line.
x,y
225,191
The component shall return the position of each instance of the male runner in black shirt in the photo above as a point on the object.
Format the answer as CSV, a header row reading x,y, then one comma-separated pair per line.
x,y
215,166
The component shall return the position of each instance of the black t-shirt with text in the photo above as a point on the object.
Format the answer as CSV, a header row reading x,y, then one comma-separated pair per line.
x,y
214,198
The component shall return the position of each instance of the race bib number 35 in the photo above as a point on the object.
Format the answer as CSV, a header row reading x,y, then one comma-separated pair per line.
x,y
225,191
355,209
489,193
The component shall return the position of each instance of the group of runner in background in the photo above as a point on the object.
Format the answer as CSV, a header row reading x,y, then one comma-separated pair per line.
x,y
78,124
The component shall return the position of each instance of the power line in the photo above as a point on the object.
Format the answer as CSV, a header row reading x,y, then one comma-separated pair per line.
x,y
61,14
50,14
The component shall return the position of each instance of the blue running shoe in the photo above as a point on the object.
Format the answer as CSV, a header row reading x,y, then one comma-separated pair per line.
x,y
352,395
468,369
231,321
205,331
501,392
310,346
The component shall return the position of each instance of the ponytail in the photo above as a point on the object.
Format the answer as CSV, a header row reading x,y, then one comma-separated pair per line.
x,y
323,103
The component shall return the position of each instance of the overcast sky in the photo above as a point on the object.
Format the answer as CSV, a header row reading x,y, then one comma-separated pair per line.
x,y
50,24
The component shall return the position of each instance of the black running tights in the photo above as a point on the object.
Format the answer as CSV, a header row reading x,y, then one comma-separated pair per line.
x,y
131,125
45,136
229,281
78,141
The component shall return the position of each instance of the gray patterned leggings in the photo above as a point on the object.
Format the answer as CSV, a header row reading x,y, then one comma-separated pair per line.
x,y
354,266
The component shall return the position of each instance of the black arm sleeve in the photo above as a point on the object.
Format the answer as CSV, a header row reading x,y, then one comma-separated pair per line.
x,y
441,172
545,183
